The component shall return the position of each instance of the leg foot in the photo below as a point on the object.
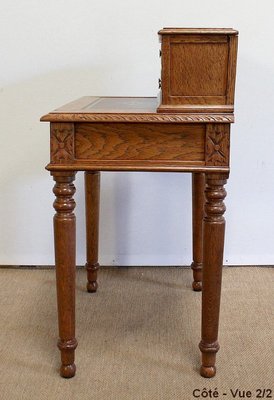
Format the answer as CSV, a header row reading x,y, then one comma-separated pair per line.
x,y
68,371
67,348
92,287
197,286
209,351
92,284
197,276
207,372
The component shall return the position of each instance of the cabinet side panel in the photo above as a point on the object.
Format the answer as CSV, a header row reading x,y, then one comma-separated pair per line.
x,y
198,69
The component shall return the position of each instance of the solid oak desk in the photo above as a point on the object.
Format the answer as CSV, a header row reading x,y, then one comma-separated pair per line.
x,y
96,134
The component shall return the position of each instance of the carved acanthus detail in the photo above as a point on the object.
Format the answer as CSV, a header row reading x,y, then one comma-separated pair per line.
x,y
217,145
62,142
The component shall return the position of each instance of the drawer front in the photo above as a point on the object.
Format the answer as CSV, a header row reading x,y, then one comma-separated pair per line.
x,y
140,142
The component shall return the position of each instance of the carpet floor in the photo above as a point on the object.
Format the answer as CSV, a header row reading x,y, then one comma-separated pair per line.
x,y
138,335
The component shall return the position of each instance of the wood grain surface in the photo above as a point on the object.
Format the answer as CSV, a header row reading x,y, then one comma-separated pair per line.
x,y
139,142
211,60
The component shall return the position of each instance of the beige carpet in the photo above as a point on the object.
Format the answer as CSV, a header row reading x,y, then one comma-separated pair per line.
x,y
138,336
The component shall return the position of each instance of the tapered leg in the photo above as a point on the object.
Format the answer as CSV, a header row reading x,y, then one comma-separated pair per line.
x,y
64,238
92,190
198,188
214,230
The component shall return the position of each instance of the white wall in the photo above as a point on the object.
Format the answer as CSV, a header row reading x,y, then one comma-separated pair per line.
x,y
57,50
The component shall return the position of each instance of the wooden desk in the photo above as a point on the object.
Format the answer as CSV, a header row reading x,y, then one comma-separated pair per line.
x,y
96,134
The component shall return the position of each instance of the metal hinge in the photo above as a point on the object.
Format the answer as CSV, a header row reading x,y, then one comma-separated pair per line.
x,y
159,83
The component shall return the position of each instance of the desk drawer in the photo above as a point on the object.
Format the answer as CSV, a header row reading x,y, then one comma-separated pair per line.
x,y
140,142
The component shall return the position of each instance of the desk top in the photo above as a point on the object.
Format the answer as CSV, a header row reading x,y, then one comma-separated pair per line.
x,y
129,109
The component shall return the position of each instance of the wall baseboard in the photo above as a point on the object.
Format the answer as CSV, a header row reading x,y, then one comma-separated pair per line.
x,y
123,266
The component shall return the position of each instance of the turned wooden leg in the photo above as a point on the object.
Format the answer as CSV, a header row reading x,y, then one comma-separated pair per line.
x,y
92,190
214,230
64,239
198,189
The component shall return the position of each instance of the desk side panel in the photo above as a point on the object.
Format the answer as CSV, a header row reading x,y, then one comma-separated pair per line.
x,y
139,147
151,143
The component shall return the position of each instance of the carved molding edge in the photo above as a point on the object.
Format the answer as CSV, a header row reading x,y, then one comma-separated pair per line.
x,y
61,142
217,145
77,117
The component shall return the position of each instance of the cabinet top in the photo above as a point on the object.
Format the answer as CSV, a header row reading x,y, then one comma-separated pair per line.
x,y
196,31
